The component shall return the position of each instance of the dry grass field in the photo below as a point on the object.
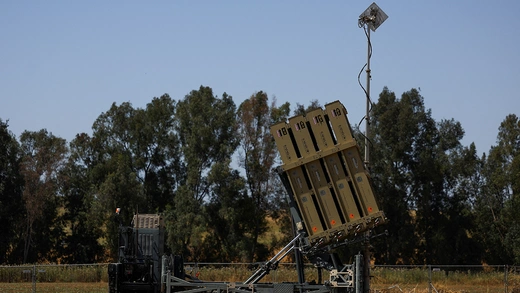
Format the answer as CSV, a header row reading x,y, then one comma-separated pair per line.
x,y
99,287
102,287
93,278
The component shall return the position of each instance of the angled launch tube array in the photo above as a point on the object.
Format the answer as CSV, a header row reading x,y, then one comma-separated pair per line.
x,y
327,177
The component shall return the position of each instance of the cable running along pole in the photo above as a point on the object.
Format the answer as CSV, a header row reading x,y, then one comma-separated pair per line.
x,y
370,19
367,121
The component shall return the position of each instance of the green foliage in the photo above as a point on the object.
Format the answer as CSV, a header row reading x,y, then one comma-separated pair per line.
x,y
206,127
258,158
422,175
83,220
497,205
133,161
43,158
301,109
11,204
445,203
227,215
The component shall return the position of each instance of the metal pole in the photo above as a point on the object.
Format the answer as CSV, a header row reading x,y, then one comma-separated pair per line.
x,y
366,256
34,279
266,267
367,121
505,279
136,225
366,265
359,284
429,278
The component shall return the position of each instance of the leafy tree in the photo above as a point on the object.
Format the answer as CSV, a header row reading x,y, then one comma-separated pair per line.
x,y
113,169
157,152
258,158
11,205
462,184
419,168
301,109
44,156
497,205
135,161
83,221
120,188
228,216
206,126
391,178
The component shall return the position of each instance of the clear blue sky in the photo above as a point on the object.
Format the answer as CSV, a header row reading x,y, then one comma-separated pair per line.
x,y
63,63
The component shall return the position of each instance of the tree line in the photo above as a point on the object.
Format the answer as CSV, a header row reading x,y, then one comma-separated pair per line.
x,y
206,165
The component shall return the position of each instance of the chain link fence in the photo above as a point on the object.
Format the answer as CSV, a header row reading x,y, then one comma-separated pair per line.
x,y
384,279
387,278
446,278
54,278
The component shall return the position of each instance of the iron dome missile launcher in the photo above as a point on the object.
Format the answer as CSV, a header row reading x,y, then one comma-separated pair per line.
x,y
325,176
332,204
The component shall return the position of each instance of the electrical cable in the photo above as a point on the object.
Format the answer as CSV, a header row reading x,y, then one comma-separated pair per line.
x,y
367,95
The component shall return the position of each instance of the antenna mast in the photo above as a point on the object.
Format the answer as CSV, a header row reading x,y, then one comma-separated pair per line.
x,y
370,19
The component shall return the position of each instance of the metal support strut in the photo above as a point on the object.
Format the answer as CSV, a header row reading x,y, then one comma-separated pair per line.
x,y
272,264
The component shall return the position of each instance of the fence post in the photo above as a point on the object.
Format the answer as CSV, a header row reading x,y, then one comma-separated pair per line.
x,y
430,278
34,279
505,278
